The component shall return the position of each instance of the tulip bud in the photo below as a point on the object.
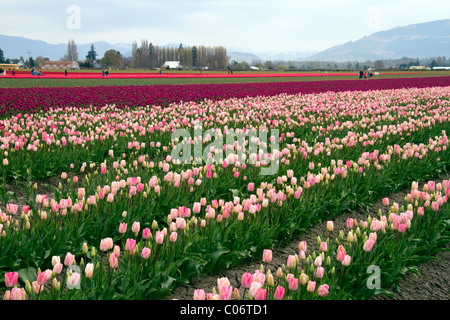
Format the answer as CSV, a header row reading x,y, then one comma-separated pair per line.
x,y
270,280
28,287
85,248
56,285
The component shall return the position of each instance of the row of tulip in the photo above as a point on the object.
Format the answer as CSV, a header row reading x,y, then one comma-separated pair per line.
x,y
221,240
364,260
312,126
29,100
388,243
209,227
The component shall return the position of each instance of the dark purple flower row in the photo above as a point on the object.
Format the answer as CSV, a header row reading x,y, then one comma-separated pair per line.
x,y
21,100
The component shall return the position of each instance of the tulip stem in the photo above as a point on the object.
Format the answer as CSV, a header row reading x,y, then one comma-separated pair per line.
x,y
340,279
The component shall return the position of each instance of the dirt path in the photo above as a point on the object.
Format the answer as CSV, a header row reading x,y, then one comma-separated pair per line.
x,y
433,284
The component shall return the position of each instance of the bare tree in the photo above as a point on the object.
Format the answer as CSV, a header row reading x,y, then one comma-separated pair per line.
x,y
72,52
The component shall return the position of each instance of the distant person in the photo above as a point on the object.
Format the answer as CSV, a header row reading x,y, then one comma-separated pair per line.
x,y
1,72
65,72
106,73
33,72
13,72
361,74
160,72
103,73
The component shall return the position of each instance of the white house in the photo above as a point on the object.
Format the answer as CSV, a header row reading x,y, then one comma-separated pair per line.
x,y
418,68
172,65
60,65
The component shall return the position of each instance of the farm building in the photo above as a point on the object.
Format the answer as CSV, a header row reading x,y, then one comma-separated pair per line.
x,y
172,65
418,68
60,65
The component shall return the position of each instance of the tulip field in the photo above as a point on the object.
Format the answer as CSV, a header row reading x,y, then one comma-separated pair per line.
x,y
96,205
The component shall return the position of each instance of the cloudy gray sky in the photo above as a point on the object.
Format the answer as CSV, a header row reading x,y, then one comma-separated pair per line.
x,y
258,25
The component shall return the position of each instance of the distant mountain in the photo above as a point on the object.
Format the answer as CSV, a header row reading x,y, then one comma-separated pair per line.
x,y
242,56
14,47
421,40
285,55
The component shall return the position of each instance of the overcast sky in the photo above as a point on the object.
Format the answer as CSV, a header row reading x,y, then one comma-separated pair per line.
x,y
258,25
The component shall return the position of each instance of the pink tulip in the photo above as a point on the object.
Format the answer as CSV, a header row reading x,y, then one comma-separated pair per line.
x,y
246,280
225,292
197,207
303,246
346,261
254,287
350,223
159,237
37,288
318,261
68,260
386,201
89,270
113,262
135,227
311,287
368,245
259,276
330,226
130,245
122,228
73,280
42,278
421,211
18,294
55,260
434,206
145,254
267,255
323,290
261,294
293,284
106,244
11,208
146,233
173,237
340,253
279,293
11,279
319,272
199,294
291,262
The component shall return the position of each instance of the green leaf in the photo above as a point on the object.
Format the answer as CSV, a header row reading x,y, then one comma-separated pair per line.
x,y
235,192
384,292
29,274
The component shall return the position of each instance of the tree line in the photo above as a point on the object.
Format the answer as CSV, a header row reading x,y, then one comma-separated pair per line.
x,y
147,55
